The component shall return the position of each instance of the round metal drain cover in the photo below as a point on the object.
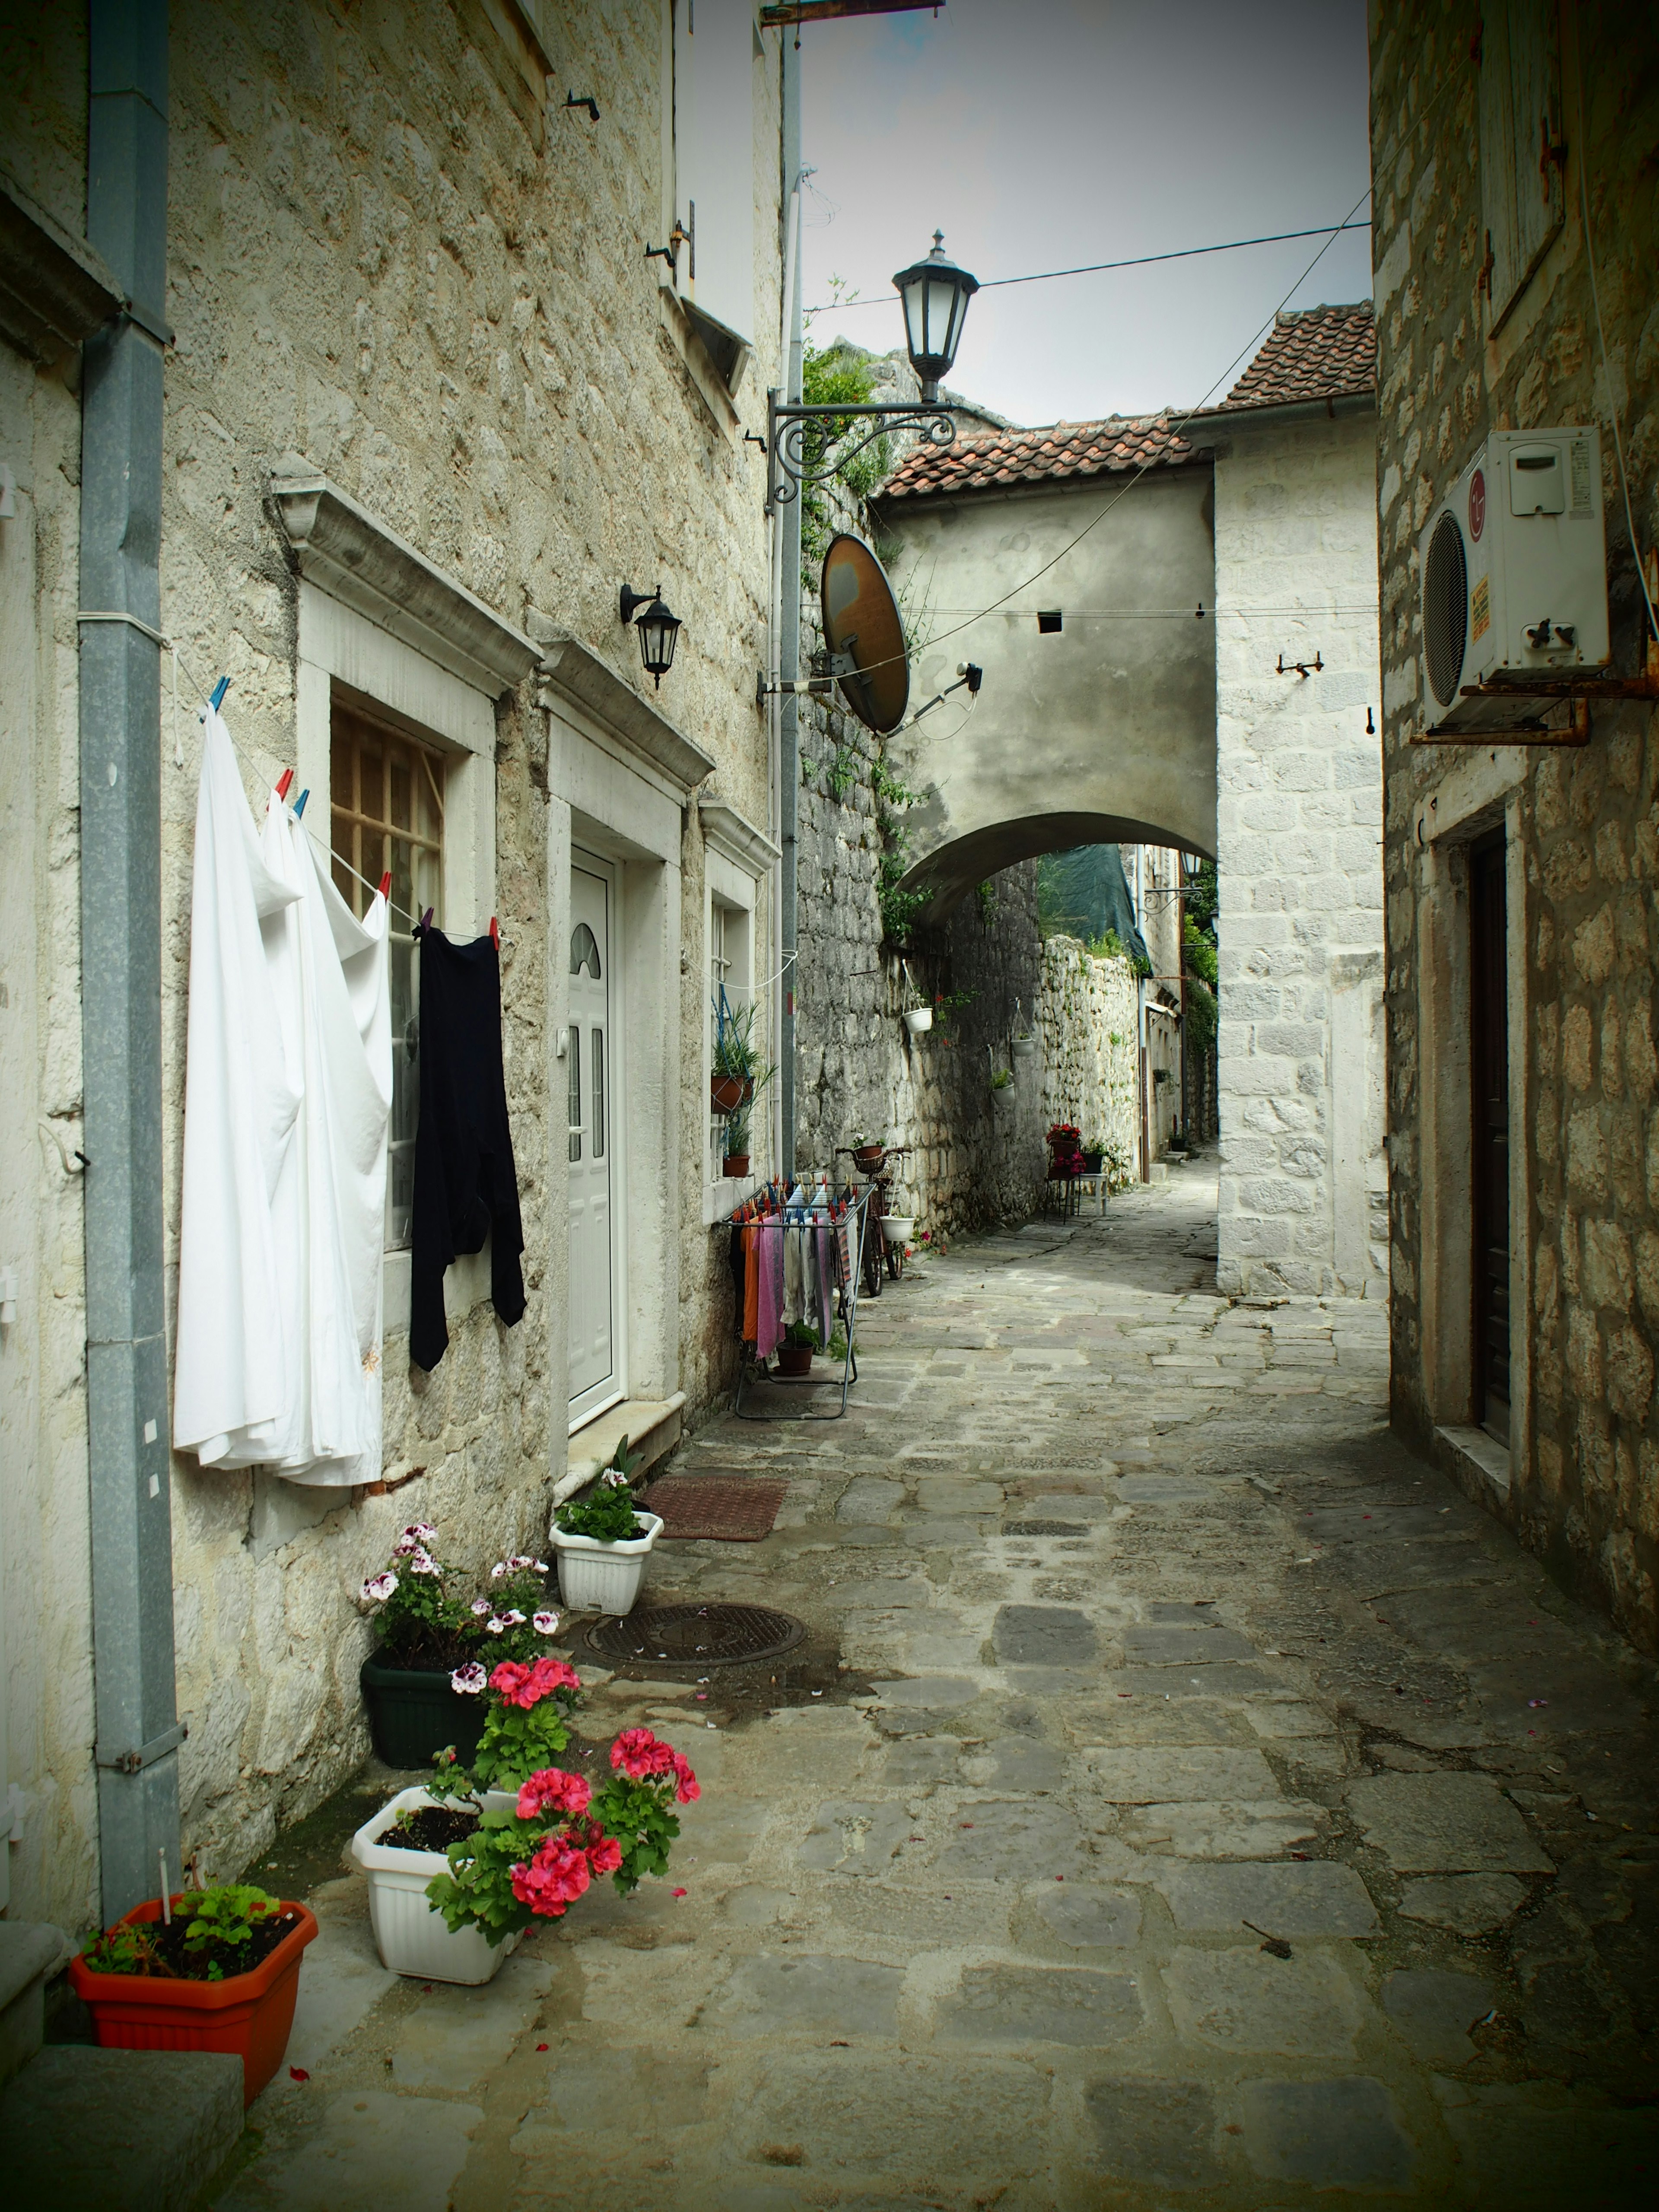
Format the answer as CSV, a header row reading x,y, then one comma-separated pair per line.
x,y
700,1635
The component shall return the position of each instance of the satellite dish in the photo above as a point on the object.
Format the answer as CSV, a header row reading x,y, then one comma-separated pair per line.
x,y
865,633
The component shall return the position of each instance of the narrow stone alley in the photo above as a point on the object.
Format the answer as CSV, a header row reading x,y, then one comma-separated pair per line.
x,y
1188,1796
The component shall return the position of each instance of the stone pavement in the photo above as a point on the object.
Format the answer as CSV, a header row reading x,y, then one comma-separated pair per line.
x,y
1209,1806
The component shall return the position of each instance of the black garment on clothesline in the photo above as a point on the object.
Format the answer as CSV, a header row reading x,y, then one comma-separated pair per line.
x,y
466,1185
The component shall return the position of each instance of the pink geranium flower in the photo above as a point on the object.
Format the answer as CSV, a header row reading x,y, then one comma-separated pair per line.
x,y
526,1686
379,1588
554,1878
552,1790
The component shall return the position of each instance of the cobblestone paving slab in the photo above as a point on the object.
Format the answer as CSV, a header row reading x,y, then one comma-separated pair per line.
x,y
1139,1644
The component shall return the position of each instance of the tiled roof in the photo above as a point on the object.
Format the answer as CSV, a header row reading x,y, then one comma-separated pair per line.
x,y
1315,352
999,458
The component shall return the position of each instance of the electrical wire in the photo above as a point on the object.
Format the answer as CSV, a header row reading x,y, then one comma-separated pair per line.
x,y
1134,261
1601,339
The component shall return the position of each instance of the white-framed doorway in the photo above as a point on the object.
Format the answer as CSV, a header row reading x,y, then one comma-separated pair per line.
x,y
595,1140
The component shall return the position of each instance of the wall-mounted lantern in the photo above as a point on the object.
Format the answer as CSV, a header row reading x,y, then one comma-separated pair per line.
x,y
935,293
658,629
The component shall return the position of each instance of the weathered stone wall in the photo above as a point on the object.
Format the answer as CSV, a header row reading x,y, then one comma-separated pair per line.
x,y
1582,827
388,259
1299,850
1086,1020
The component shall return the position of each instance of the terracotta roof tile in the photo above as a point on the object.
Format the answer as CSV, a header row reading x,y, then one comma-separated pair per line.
x,y
1315,352
1056,451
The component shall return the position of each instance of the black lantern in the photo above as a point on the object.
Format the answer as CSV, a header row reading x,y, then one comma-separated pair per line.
x,y
658,630
1191,863
935,293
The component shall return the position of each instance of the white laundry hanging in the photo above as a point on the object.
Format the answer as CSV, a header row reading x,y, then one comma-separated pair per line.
x,y
232,1378
323,1013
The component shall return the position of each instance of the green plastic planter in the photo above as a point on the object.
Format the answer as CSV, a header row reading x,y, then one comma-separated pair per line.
x,y
413,1714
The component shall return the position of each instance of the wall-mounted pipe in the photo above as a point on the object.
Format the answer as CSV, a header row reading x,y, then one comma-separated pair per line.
x,y
120,717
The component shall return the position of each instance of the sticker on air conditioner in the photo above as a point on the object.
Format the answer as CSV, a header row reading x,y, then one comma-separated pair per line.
x,y
1481,609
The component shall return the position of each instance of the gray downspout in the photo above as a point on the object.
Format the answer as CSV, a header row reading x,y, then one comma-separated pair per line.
x,y
789,636
120,700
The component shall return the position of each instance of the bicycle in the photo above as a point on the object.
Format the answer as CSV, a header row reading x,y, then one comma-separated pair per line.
x,y
871,1160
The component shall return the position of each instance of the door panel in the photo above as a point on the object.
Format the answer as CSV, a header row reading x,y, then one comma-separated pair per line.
x,y
592,1226
1489,1068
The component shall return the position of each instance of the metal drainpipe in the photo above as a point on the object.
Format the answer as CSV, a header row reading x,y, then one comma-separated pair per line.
x,y
789,639
120,711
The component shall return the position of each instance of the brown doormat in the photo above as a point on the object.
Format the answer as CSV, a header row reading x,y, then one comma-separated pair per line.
x,y
719,1509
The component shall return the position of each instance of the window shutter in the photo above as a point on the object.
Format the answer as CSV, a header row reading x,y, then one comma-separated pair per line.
x,y
715,173
1521,127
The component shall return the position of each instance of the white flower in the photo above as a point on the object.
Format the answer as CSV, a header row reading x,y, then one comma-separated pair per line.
x,y
520,1561
545,1624
614,1479
495,1625
540,1565
498,1571
421,1533
469,1680
379,1588
514,1618
422,1563
480,1607
404,1544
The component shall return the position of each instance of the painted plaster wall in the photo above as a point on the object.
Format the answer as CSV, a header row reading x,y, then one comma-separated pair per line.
x,y
1299,809
1086,1021
386,260
1582,1481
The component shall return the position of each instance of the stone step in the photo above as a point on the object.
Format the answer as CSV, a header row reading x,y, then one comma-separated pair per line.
x,y
88,2130
28,1954
651,1425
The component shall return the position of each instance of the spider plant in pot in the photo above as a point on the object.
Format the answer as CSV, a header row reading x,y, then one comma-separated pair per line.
x,y
736,1073
794,1355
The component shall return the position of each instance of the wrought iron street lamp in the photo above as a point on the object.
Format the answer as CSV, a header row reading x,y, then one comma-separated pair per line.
x,y
658,630
807,445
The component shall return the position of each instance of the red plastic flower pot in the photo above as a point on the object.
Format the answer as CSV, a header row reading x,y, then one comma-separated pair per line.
x,y
248,2015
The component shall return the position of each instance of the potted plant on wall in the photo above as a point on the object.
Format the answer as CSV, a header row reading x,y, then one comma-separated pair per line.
x,y
425,1628
215,1970
1021,1044
522,1708
603,1541
736,1080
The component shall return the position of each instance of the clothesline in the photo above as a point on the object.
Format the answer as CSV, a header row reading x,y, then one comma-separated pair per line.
x,y
167,645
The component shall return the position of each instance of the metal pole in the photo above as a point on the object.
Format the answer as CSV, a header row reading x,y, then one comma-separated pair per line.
x,y
120,715
789,635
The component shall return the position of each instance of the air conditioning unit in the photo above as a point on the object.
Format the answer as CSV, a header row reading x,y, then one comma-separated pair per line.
x,y
1514,577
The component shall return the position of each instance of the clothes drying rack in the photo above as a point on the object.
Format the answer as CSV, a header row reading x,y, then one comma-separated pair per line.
x,y
846,1283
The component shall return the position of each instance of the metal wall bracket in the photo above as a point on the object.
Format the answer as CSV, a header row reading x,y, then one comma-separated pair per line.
x,y
135,1762
796,456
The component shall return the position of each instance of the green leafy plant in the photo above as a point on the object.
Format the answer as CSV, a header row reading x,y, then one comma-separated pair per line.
x,y
1118,1166
842,773
830,376
123,1951
801,1332
423,1618
836,1347
986,894
1002,1078
1199,955
606,1513
220,1925
524,1727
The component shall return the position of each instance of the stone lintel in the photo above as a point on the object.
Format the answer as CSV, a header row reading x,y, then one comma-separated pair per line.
x,y
573,673
347,553
54,289
732,834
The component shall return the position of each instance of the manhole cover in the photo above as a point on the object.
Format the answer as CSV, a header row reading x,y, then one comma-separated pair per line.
x,y
703,1635
1045,1528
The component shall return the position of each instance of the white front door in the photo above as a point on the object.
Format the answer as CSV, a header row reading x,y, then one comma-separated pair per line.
x,y
596,1380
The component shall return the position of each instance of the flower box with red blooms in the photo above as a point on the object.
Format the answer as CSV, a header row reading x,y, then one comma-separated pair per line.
x,y
427,1628
1065,1150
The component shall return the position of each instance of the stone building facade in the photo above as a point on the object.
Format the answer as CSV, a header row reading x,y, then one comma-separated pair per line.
x,y
1521,925
1304,1189
427,405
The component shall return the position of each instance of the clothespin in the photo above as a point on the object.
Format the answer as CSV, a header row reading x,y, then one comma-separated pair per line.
x,y
426,918
495,933
283,781
299,803
219,692
385,884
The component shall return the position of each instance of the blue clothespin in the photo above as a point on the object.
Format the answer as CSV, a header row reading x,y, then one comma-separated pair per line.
x,y
299,803
219,692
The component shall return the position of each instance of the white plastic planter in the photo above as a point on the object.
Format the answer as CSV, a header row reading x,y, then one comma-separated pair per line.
x,y
897,1228
596,1577
919,1020
410,1934
1022,1046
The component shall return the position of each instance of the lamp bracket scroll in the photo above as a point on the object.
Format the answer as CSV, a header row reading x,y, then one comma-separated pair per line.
x,y
798,455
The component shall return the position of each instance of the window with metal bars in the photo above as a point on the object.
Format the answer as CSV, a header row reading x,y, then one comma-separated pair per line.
x,y
386,813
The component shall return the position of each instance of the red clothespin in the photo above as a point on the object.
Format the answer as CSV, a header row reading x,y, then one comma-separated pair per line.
x,y
283,781
385,884
495,933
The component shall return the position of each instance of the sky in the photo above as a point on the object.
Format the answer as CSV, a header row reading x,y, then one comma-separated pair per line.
x,y
1041,134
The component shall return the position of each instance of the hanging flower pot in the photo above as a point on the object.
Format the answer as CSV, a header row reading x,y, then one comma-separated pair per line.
x,y
735,1164
725,1093
918,1020
1022,1046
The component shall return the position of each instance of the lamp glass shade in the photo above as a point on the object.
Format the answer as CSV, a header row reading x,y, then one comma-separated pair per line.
x,y
658,633
935,293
